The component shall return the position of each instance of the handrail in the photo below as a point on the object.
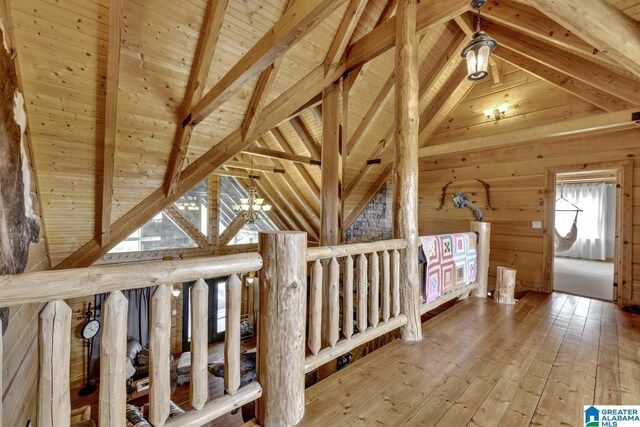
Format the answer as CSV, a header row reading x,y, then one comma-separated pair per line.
x,y
325,252
79,282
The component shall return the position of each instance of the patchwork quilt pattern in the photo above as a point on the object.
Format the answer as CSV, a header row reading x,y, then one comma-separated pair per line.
x,y
449,261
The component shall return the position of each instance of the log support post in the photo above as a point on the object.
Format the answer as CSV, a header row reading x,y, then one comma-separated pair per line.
x,y
405,167
54,344
484,242
281,328
331,209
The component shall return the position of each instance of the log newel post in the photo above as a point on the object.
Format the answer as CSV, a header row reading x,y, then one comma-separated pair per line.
x,y
405,168
281,328
484,242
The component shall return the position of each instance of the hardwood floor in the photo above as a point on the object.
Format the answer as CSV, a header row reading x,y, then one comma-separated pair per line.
x,y
485,364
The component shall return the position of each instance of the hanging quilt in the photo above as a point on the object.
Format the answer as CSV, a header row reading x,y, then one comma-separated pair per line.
x,y
449,262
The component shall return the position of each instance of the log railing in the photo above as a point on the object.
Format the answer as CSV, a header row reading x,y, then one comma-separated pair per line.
x,y
479,287
54,335
366,277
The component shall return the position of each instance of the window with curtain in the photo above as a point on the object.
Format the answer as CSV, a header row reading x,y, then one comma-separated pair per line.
x,y
596,222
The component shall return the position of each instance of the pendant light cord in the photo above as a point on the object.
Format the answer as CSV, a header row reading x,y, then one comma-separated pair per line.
x,y
478,26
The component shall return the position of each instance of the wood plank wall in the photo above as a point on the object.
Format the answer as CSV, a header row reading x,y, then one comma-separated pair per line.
x,y
20,358
516,176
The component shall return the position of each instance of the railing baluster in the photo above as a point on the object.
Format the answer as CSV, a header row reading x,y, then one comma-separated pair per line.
x,y
362,292
315,308
199,384
54,336
347,306
374,309
334,302
386,283
232,336
395,282
160,353
113,349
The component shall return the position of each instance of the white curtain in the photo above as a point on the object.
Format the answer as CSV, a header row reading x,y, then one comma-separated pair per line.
x,y
593,222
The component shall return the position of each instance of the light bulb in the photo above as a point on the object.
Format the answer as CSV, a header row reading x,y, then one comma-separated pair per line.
x,y
503,108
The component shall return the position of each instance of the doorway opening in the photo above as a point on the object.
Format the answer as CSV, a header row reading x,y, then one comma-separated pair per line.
x,y
587,221
585,233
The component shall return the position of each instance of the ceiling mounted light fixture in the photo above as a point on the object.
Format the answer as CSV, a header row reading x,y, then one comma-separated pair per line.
x,y
477,52
496,113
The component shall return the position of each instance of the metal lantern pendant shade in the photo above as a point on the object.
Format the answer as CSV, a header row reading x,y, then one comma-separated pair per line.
x,y
477,55
477,52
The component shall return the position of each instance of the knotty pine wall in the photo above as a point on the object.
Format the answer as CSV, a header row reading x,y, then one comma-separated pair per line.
x,y
516,176
20,357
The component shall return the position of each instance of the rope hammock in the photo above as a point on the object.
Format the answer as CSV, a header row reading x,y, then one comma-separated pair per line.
x,y
564,243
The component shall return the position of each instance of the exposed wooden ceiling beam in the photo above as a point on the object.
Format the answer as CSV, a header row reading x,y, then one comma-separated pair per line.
x,y
294,196
375,43
195,88
344,33
372,114
110,117
295,24
282,155
232,230
250,167
599,123
306,138
444,103
573,86
528,20
301,168
235,174
429,15
286,204
367,196
600,24
589,93
186,225
261,91
572,65
386,13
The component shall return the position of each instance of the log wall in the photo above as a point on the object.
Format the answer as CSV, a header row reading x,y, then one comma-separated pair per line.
x,y
516,176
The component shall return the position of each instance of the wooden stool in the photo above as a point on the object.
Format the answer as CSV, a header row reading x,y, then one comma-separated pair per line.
x,y
505,285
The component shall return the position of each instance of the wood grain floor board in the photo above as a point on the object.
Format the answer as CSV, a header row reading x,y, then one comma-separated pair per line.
x,y
483,365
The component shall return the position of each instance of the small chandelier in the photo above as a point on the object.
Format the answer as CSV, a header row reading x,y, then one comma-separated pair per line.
x,y
477,52
252,205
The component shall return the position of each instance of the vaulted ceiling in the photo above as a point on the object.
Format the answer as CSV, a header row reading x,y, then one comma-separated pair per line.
x,y
109,85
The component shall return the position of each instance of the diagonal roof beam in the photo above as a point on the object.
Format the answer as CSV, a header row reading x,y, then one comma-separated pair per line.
x,y
110,117
575,66
444,102
306,137
573,86
295,24
344,33
600,24
195,88
186,225
261,91
530,21
372,114
589,93
375,43
232,230
301,168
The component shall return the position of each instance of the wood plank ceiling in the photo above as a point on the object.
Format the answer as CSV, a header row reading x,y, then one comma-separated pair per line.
x,y
106,117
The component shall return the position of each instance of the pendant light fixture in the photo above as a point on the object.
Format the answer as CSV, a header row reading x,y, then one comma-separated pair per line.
x,y
477,52
251,206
